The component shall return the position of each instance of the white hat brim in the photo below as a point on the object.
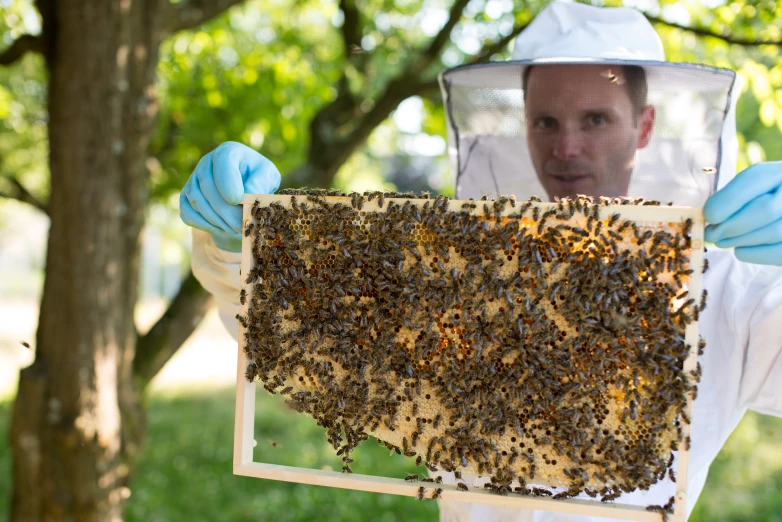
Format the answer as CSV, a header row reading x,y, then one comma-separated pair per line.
x,y
660,76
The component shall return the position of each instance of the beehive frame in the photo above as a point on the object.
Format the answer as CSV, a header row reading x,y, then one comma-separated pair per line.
x,y
245,395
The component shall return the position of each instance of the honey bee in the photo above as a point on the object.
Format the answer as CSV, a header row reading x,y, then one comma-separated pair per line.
x,y
659,509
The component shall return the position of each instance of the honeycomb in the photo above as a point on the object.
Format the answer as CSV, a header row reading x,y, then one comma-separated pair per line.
x,y
530,342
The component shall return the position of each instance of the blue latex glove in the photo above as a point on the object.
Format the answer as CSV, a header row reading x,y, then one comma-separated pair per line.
x,y
211,198
747,214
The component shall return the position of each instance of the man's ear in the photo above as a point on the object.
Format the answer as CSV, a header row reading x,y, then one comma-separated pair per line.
x,y
646,122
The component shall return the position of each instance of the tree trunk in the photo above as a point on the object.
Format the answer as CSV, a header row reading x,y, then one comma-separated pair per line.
x,y
77,424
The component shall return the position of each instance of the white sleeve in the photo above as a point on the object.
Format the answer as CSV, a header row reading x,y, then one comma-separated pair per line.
x,y
218,272
761,381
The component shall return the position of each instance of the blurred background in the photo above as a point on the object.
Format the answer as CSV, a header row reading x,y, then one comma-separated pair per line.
x,y
337,94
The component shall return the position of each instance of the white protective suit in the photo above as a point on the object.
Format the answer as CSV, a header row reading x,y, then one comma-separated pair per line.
x,y
742,324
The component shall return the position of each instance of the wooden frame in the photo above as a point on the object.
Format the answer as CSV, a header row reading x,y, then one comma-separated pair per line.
x,y
243,463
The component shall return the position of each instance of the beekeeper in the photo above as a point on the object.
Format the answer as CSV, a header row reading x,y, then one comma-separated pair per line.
x,y
587,105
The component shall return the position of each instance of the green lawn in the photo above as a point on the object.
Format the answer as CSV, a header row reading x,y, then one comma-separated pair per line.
x,y
185,474
745,481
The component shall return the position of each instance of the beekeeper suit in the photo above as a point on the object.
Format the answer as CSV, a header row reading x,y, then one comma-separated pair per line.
x,y
651,129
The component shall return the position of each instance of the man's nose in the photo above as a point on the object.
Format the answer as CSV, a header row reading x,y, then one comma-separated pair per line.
x,y
568,144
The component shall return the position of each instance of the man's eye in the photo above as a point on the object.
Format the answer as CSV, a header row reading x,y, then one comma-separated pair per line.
x,y
546,123
597,119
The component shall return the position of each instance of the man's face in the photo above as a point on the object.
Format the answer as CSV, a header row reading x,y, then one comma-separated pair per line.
x,y
582,132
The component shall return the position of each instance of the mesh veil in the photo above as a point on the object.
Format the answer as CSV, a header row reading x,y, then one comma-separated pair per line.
x,y
691,152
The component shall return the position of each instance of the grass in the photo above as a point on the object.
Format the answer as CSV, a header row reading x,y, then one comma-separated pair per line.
x,y
185,473
745,481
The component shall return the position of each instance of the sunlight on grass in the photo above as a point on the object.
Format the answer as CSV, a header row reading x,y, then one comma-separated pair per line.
x,y
287,438
185,473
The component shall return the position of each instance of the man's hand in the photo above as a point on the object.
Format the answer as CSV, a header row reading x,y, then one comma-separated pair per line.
x,y
211,197
747,214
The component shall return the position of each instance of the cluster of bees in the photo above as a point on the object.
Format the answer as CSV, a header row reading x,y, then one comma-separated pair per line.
x,y
529,342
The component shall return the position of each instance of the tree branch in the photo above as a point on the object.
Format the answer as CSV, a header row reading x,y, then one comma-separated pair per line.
x,y
189,14
489,49
329,150
161,342
20,193
728,38
48,37
439,41
351,27
24,44
327,153
406,85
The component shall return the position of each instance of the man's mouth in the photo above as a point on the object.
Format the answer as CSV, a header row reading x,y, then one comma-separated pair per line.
x,y
570,178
